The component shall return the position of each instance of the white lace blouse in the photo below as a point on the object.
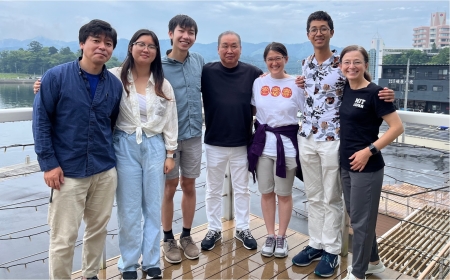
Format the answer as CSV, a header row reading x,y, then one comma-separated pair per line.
x,y
161,113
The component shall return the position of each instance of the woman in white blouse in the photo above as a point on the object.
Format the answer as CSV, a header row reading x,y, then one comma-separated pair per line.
x,y
145,139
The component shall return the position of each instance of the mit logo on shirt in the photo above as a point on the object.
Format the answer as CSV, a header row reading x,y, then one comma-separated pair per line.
x,y
359,102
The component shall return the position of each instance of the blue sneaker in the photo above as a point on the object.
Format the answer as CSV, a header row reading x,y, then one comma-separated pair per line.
x,y
307,256
327,265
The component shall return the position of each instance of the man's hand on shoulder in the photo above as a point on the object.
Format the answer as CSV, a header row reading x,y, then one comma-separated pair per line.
x,y
300,82
54,178
387,95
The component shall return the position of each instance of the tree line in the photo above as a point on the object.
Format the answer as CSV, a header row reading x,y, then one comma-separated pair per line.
x,y
37,59
417,57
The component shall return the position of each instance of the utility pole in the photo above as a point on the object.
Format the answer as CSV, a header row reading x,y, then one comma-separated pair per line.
x,y
405,102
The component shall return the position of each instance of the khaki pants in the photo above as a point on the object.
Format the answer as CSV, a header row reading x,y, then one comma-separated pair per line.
x,y
89,198
321,174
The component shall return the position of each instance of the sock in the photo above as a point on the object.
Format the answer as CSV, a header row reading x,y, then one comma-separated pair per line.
x,y
168,235
185,232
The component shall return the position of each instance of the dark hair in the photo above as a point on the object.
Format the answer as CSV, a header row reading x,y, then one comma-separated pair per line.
x,y
364,54
183,21
155,67
277,47
229,33
97,27
319,15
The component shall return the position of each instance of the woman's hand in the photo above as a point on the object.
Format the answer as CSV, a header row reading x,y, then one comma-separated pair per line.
x,y
359,159
36,86
169,164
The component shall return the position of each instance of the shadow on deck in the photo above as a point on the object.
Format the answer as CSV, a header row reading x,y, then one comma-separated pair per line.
x,y
230,260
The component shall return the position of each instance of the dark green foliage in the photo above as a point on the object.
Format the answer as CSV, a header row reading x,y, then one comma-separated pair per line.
x,y
417,57
442,57
37,59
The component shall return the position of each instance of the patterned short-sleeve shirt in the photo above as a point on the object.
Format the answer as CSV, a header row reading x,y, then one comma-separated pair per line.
x,y
324,85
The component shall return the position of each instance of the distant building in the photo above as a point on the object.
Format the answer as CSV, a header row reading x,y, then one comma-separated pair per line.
x,y
428,89
437,32
376,58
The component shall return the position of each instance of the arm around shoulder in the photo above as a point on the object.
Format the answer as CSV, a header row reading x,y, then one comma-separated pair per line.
x,y
387,95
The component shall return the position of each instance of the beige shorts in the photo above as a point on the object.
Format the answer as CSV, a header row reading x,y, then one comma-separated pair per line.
x,y
267,180
188,159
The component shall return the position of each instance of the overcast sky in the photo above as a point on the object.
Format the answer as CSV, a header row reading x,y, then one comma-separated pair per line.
x,y
355,22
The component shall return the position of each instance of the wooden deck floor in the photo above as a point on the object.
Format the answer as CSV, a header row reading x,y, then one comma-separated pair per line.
x,y
230,260
384,224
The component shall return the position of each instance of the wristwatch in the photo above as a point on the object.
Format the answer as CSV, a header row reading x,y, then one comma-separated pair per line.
x,y
373,149
171,155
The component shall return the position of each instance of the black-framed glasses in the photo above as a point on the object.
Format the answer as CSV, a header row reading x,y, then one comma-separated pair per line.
x,y
142,45
323,30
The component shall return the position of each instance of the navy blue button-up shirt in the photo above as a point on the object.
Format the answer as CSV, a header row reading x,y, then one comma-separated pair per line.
x,y
185,78
72,130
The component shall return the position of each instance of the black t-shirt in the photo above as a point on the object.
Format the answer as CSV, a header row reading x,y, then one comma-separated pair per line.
x,y
361,113
226,100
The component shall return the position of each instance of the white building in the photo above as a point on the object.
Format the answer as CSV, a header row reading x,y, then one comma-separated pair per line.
x,y
376,58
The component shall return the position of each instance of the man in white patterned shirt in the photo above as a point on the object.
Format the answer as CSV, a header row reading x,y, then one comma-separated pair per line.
x,y
319,147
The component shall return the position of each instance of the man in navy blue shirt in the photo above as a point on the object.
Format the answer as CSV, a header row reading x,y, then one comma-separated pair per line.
x,y
73,116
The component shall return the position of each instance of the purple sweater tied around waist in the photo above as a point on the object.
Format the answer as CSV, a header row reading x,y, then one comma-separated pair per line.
x,y
256,147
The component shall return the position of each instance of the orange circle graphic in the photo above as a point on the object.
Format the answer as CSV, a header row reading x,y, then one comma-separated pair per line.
x,y
265,90
276,90
287,92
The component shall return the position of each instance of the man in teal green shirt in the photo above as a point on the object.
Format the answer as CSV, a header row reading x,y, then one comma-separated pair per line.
x,y
183,70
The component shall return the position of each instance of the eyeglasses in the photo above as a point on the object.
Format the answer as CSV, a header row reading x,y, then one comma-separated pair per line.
x,y
275,59
142,45
323,30
355,63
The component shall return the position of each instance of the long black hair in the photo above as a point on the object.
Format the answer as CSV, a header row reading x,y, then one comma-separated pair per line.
x,y
155,67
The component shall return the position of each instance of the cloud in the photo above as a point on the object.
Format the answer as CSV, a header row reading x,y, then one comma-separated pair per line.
x,y
256,21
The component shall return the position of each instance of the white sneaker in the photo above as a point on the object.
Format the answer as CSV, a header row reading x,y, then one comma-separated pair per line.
x,y
350,276
372,269
282,248
375,268
269,246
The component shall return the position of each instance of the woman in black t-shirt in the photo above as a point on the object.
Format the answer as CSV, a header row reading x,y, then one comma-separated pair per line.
x,y
362,166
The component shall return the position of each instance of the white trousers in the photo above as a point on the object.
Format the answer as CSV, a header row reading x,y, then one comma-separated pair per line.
x,y
216,163
320,166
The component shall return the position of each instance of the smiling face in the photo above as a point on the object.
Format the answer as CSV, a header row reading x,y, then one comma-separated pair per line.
x,y
321,38
182,37
97,50
143,55
275,62
353,66
229,50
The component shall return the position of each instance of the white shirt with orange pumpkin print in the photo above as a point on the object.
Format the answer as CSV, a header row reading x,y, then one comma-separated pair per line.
x,y
277,103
